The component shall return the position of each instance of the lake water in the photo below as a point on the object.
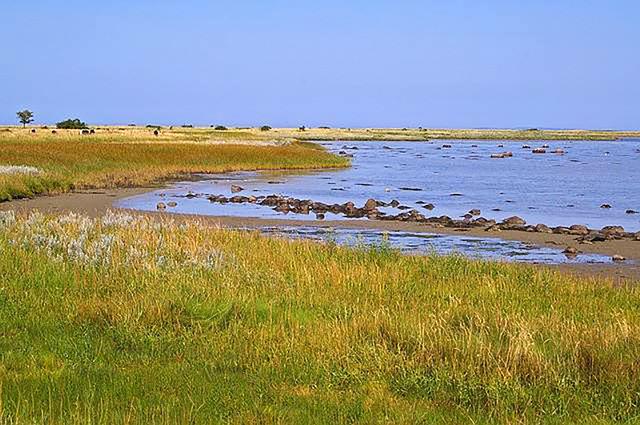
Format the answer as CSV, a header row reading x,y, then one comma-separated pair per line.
x,y
541,188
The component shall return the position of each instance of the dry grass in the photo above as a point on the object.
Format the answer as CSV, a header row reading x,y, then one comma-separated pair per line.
x,y
126,158
166,323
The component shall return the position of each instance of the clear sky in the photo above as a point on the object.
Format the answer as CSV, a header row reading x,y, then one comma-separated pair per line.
x,y
358,63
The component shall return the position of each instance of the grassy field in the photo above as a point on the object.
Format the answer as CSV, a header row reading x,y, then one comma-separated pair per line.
x,y
113,158
126,319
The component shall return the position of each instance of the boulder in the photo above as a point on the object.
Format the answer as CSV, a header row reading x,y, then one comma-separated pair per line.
x,y
370,205
475,212
542,228
235,188
613,232
539,150
578,229
514,221
618,258
161,206
429,207
570,250
631,212
172,204
636,236
605,206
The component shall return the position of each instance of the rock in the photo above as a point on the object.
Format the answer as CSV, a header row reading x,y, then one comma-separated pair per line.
x,y
558,152
172,204
190,195
542,228
636,236
526,147
370,205
515,220
631,212
446,146
414,189
429,207
570,250
235,188
605,206
613,232
319,216
578,229
475,212
394,203
161,206
539,150
618,258
561,230
545,146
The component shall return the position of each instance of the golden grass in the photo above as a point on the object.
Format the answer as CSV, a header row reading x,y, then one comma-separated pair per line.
x,y
166,323
127,158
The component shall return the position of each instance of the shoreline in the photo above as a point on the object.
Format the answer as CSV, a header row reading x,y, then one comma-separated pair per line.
x,y
96,202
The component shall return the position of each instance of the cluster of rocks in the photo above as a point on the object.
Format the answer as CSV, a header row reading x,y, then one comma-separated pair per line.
x,y
371,210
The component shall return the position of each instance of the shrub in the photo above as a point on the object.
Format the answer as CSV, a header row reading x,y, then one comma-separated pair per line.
x,y
73,124
220,127
187,126
265,128
157,127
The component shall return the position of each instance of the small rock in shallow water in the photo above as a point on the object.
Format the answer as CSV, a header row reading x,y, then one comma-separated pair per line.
x,y
161,206
474,212
172,204
631,212
570,251
605,206
429,207
235,188
618,258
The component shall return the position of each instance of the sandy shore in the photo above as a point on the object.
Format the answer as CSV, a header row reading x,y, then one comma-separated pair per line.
x,y
96,202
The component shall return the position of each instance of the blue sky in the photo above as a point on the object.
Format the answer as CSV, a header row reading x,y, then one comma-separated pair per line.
x,y
475,63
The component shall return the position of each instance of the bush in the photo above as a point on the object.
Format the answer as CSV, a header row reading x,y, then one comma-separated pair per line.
x,y
187,126
265,128
220,127
72,124
157,127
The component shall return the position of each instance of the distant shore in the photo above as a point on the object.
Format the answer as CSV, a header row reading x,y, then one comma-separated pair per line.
x,y
279,135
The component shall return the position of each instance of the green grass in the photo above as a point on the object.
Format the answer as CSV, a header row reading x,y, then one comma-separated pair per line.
x,y
147,321
70,161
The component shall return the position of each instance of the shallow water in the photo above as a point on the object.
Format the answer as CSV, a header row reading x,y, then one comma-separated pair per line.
x,y
427,243
541,188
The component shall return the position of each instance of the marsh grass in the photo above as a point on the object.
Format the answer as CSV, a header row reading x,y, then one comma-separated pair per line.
x,y
131,158
274,330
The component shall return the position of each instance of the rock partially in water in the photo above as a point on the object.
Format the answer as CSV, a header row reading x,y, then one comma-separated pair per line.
x,y
429,207
514,221
161,206
235,188
618,258
605,206
475,212
631,212
542,228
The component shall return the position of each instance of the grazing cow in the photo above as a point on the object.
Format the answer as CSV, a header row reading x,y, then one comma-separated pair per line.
x,y
156,132
85,131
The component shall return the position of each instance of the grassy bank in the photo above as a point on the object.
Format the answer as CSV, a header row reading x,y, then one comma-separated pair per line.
x,y
132,320
68,160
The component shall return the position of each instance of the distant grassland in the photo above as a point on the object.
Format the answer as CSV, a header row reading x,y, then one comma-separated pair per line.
x,y
109,159
133,320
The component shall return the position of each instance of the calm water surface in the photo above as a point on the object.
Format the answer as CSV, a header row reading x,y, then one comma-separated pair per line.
x,y
542,188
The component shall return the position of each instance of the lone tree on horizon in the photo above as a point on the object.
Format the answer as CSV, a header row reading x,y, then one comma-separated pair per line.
x,y
25,117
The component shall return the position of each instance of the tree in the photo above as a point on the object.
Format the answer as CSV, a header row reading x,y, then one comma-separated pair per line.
x,y
74,124
25,117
